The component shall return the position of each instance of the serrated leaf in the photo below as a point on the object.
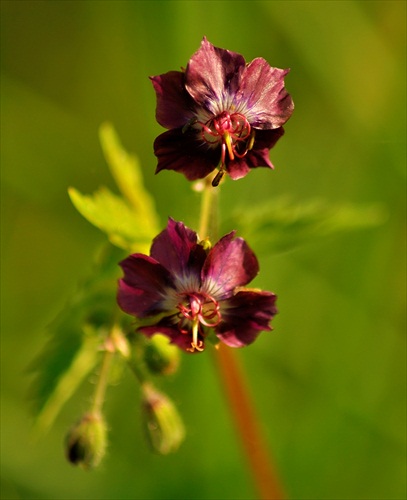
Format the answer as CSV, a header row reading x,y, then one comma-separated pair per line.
x,y
131,221
74,336
126,171
80,362
283,225
110,213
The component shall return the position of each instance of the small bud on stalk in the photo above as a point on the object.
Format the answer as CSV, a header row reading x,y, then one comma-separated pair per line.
x,y
86,441
164,427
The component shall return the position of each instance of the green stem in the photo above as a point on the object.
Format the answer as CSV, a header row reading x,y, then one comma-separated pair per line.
x,y
137,367
112,344
208,227
233,380
100,391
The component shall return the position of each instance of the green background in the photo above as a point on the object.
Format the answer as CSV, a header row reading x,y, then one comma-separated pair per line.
x,y
329,381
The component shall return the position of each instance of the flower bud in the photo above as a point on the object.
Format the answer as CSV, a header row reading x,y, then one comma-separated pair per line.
x,y
164,427
160,356
86,441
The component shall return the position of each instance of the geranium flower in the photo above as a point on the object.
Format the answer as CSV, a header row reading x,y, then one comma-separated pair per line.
x,y
220,112
186,291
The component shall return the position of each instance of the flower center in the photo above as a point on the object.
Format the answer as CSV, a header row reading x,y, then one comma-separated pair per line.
x,y
233,132
199,310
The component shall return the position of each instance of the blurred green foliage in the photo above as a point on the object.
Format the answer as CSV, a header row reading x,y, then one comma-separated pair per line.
x,y
329,382
130,220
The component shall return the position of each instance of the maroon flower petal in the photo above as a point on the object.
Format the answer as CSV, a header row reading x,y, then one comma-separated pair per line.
x,y
212,74
174,105
172,248
258,156
238,168
244,316
230,263
262,90
143,286
185,153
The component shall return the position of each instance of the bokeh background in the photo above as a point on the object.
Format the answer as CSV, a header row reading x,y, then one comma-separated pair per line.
x,y
329,382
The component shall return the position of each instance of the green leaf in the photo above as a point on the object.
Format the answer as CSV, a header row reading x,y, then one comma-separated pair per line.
x,y
77,359
130,221
74,337
126,172
111,214
283,225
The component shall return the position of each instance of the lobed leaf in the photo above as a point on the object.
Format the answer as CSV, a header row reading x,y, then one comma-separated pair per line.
x,y
124,227
130,221
282,225
126,172
76,365
74,336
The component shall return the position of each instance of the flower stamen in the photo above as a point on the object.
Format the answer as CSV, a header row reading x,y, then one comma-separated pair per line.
x,y
200,310
233,132
195,344
218,177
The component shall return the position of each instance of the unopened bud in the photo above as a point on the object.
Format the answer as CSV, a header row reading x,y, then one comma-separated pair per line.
x,y
86,441
164,427
160,356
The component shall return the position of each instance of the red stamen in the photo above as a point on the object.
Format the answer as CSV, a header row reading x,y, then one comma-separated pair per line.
x,y
232,131
198,310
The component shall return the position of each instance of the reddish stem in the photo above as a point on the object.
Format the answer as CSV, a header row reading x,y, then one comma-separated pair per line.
x,y
247,424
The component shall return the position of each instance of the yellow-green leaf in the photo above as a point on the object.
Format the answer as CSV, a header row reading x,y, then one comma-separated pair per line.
x,y
81,365
126,171
111,214
130,221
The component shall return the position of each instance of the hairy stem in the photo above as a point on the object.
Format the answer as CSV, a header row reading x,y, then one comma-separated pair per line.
x,y
99,395
111,345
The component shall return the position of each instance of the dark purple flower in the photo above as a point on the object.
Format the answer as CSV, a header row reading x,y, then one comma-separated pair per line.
x,y
186,291
220,112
